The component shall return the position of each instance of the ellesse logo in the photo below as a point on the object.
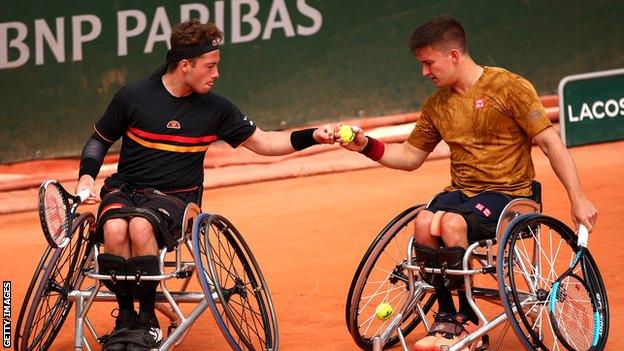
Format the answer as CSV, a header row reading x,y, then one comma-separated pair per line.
x,y
173,124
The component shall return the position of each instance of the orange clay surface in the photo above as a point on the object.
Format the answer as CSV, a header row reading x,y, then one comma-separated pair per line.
x,y
309,234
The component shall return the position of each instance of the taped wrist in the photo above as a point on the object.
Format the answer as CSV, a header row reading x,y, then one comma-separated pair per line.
x,y
302,139
374,149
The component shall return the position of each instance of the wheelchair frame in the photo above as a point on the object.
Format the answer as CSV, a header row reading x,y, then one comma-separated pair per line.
x,y
516,214
220,287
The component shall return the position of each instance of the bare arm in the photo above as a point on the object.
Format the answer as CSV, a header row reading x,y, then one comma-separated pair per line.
x,y
583,211
401,156
278,143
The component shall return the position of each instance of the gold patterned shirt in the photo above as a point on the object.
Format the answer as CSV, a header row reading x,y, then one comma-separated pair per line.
x,y
489,131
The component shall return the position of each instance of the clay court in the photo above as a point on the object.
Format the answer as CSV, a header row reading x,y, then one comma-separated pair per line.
x,y
309,234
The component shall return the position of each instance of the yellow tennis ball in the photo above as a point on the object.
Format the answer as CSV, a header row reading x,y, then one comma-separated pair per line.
x,y
383,311
346,133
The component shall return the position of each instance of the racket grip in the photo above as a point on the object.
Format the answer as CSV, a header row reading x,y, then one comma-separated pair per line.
x,y
583,236
84,194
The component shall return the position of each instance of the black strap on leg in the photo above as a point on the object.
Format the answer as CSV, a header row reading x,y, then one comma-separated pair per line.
x,y
427,257
144,290
451,258
115,266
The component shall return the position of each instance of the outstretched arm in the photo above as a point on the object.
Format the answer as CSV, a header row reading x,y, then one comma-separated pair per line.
x,y
583,211
283,143
401,156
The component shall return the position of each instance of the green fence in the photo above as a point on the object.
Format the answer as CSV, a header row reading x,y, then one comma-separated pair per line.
x,y
592,107
284,61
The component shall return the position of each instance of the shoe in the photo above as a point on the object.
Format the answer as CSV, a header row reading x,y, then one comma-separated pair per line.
x,y
442,323
130,340
149,329
447,330
460,328
124,321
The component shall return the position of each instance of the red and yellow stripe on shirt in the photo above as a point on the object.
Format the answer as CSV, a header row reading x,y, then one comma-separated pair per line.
x,y
168,142
112,206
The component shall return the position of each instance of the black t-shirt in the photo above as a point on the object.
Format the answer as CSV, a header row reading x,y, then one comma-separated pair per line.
x,y
165,138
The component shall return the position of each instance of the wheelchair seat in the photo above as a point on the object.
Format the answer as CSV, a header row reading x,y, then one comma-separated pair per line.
x,y
519,206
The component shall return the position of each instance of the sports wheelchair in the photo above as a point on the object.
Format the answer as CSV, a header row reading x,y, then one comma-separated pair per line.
x,y
232,286
532,250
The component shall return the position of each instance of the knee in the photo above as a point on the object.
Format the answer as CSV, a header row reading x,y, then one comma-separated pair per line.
x,y
115,232
422,225
453,223
454,228
141,231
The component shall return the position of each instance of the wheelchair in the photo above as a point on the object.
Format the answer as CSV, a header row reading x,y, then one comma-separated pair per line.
x,y
521,263
232,287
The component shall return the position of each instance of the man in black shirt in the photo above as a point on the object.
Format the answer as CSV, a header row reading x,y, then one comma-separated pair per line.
x,y
166,123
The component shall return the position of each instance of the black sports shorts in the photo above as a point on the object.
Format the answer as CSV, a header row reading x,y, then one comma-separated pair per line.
x,y
481,211
163,211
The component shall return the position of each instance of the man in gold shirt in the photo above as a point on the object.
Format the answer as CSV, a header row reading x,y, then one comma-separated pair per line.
x,y
489,117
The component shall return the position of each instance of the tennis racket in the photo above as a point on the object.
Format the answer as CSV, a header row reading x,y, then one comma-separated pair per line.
x,y
57,209
574,305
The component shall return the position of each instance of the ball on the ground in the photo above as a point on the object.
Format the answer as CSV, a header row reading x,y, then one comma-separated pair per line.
x,y
346,133
383,311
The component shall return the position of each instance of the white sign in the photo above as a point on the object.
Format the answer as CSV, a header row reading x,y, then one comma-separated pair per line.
x,y
15,36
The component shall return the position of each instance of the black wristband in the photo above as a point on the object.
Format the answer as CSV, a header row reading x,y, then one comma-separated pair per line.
x,y
301,139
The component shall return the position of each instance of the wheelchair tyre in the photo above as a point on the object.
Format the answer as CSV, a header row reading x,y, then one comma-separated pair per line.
x,y
46,304
533,250
380,278
236,289
43,263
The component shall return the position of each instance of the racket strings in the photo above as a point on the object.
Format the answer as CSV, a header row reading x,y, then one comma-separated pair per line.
x,y
574,314
55,212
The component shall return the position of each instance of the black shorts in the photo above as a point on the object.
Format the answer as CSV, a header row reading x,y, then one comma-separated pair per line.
x,y
163,211
481,211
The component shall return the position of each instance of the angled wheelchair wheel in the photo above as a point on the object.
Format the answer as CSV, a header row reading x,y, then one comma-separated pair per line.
x,y
231,279
380,278
533,251
46,304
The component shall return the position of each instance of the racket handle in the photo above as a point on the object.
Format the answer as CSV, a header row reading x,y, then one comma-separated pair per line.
x,y
83,194
583,235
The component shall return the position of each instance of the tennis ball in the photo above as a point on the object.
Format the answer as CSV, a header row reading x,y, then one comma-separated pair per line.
x,y
346,133
383,311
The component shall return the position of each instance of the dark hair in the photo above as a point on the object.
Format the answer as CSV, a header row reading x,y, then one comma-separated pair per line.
x,y
191,33
443,30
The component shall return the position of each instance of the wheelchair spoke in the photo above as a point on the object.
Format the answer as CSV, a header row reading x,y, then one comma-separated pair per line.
x,y
227,251
552,254
381,278
245,312
377,293
242,317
